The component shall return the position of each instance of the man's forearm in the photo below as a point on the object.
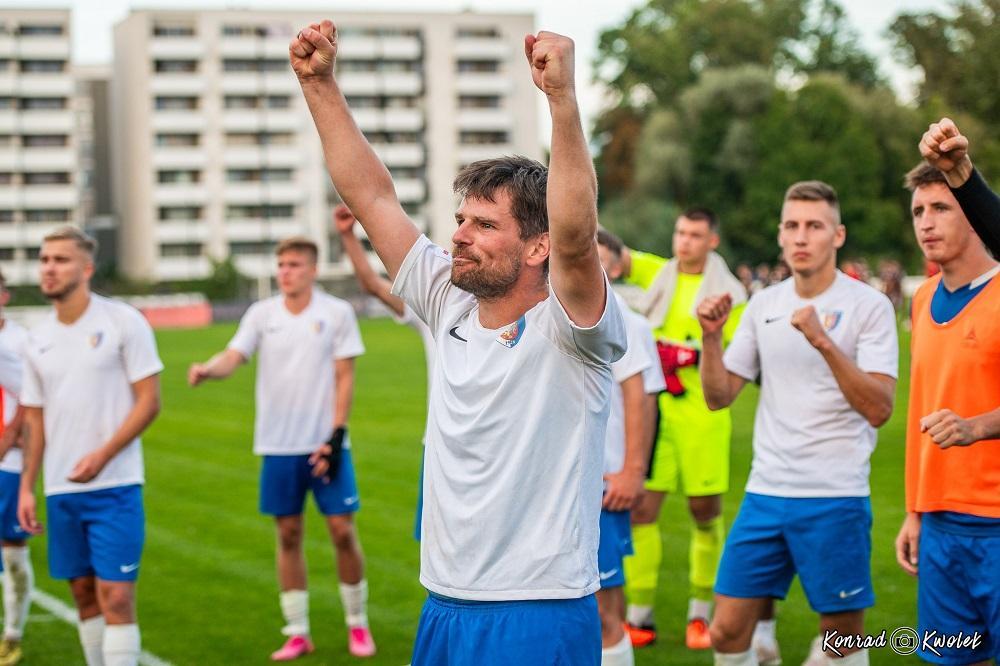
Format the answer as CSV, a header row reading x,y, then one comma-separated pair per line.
x,y
571,192
343,396
142,414
714,376
871,397
34,445
981,206
638,442
986,426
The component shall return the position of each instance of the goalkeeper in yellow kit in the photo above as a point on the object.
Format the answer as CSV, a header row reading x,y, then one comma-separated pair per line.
x,y
692,450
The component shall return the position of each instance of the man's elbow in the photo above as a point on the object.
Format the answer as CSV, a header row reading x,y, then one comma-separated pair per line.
x,y
879,415
716,401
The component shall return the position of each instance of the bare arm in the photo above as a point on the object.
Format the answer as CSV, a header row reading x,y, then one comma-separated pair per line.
x,y
625,487
571,193
721,387
34,447
147,406
870,394
12,432
344,391
367,278
357,173
947,428
219,366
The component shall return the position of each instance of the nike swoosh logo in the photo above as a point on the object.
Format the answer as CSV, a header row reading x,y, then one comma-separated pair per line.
x,y
128,568
455,335
844,595
42,350
607,575
350,500
771,320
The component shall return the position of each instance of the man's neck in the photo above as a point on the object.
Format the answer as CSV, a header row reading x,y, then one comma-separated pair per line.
x,y
497,312
963,270
73,305
692,267
814,284
296,303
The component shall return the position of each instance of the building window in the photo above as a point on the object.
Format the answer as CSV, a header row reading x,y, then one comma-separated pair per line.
x,y
39,30
393,137
33,252
254,65
173,30
47,178
7,102
180,250
47,215
240,102
406,173
279,101
479,101
259,212
179,176
477,32
5,64
42,66
170,103
6,178
175,66
258,175
44,140
467,138
6,254
42,103
244,31
258,138
6,216
6,140
174,213
478,66
174,140
251,247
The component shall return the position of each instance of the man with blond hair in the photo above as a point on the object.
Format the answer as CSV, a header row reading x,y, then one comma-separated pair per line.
x,y
91,387
307,341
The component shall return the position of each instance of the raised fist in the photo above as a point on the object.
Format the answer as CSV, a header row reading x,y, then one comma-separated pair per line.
x,y
343,219
314,50
551,59
806,321
713,312
943,145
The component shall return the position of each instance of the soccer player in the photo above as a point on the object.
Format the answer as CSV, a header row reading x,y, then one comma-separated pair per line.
x,y
945,148
91,387
525,333
824,348
951,533
381,288
628,443
18,575
692,451
307,341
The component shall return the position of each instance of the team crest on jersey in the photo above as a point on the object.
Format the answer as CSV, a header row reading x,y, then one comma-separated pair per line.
x,y
95,340
511,335
318,326
831,318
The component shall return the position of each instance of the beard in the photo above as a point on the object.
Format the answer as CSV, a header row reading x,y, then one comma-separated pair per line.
x,y
487,282
60,293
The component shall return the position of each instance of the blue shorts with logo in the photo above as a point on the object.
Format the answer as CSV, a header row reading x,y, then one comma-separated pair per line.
x,y
454,632
10,488
96,533
825,540
958,586
615,545
285,481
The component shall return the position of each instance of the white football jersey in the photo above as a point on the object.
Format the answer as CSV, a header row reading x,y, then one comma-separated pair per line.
x,y
515,439
13,337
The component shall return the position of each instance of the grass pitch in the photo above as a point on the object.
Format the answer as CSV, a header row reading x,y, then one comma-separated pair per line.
x,y
208,592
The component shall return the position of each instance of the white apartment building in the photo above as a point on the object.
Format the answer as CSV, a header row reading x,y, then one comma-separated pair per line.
x,y
215,153
41,185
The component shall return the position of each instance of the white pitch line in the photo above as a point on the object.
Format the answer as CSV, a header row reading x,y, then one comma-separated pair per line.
x,y
68,615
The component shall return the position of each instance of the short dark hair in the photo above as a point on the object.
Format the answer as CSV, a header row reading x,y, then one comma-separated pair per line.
x,y
612,242
702,214
813,190
522,178
298,244
923,174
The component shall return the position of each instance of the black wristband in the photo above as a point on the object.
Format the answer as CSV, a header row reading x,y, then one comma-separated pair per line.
x,y
336,444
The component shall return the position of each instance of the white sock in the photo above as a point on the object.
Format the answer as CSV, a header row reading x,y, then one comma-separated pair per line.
x,y
619,654
92,640
355,600
699,608
122,645
747,658
295,608
765,631
859,658
639,616
18,580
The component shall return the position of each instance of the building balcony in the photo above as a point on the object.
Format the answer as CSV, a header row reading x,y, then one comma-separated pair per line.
x,y
49,159
10,158
181,268
179,121
389,120
45,85
257,120
410,190
255,47
10,197
50,196
367,48
26,235
468,154
179,194
47,122
48,48
177,47
260,83
192,157
484,119
484,48
487,83
20,272
177,84
400,154
262,193
253,230
381,83
8,46
262,156
181,232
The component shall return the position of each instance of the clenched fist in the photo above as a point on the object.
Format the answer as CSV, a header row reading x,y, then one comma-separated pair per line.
x,y
343,219
314,50
947,428
807,322
551,59
713,312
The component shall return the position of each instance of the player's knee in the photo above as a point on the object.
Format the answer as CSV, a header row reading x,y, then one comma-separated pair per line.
x,y
342,533
705,509
724,635
85,596
118,605
290,537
